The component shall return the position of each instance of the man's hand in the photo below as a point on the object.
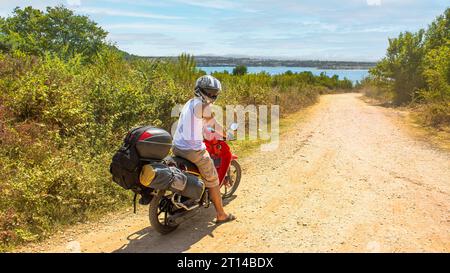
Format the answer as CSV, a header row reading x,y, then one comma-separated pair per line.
x,y
230,136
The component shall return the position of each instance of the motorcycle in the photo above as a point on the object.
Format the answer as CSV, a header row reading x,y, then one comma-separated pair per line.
x,y
168,209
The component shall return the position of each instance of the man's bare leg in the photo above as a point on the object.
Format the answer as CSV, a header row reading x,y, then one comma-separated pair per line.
x,y
214,195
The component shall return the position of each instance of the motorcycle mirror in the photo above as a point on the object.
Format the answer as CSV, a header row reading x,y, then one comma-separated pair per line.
x,y
234,126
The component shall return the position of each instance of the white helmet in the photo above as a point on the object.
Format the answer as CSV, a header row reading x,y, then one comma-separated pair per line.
x,y
208,88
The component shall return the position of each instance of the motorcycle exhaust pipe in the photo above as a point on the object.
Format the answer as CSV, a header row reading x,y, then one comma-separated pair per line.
x,y
178,204
181,217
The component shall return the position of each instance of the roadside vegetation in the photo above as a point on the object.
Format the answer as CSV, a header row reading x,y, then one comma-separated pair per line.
x,y
68,98
416,72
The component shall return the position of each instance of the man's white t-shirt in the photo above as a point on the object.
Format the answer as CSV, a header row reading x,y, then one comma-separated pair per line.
x,y
189,132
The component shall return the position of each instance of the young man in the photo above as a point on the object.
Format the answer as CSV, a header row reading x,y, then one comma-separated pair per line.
x,y
195,116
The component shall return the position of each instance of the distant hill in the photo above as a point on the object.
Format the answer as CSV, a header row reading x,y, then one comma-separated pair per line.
x,y
231,61
209,61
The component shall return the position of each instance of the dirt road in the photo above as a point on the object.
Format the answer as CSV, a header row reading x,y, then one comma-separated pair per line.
x,y
346,179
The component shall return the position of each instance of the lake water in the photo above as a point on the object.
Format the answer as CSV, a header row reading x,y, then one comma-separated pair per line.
x,y
351,74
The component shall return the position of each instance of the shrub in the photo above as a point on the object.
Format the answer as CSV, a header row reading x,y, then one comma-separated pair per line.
x,y
240,70
417,69
436,114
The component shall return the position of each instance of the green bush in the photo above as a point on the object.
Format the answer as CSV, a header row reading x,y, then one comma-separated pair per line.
x,y
436,114
402,66
240,70
416,69
437,74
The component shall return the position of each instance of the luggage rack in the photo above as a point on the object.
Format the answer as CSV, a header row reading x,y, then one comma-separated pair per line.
x,y
149,160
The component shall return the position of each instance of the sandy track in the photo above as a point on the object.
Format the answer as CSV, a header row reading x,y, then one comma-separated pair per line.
x,y
348,179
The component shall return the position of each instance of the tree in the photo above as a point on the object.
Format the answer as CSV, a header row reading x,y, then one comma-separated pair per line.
x,y
437,74
416,64
438,33
57,31
4,44
184,70
402,66
240,70
436,61
289,73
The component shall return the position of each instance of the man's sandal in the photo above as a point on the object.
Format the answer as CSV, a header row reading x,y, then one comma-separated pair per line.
x,y
230,218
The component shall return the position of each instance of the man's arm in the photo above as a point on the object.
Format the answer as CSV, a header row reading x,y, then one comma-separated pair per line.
x,y
211,122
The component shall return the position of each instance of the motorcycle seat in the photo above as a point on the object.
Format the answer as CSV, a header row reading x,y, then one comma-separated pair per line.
x,y
186,165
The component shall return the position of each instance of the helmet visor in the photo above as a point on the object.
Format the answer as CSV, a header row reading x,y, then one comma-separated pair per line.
x,y
211,93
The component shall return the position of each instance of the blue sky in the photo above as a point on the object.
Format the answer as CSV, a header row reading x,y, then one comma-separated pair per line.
x,y
310,29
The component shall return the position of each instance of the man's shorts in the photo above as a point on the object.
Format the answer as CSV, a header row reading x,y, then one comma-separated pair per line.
x,y
204,163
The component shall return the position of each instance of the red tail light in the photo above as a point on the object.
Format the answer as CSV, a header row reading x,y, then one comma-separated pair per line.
x,y
145,135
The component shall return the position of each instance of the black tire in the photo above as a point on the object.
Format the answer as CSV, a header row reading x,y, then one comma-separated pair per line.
x,y
154,209
229,192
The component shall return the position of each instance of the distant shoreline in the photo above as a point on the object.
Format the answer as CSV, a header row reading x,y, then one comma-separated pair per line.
x,y
292,66
214,61
352,74
232,62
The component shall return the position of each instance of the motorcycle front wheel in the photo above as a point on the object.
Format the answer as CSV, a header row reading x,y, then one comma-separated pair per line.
x,y
234,178
160,209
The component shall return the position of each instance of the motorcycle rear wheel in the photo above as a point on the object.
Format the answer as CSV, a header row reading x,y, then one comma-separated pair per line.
x,y
234,173
161,205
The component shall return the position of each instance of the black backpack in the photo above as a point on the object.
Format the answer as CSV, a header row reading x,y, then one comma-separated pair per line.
x,y
126,165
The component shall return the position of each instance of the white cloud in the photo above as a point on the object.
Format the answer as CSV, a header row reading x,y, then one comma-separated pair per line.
x,y
216,4
161,28
114,12
140,3
374,2
74,2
